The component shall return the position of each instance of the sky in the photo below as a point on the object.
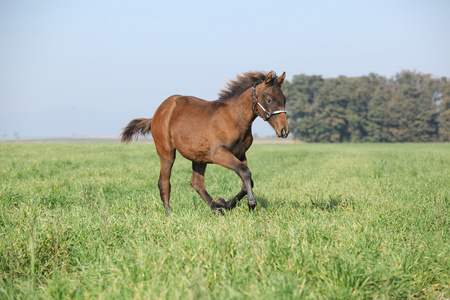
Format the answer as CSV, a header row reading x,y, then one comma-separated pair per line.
x,y
86,68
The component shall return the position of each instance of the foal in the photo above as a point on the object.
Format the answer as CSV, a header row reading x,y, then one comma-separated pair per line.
x,y
217,132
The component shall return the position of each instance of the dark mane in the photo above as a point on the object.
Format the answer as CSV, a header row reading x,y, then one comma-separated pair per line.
x,y
241,83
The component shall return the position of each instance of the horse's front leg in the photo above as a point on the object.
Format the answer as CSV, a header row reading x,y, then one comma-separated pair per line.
x,y
226,159
230,204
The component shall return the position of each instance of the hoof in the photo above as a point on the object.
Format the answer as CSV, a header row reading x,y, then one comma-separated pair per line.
x,y
252,205
231,204
218,203
218,212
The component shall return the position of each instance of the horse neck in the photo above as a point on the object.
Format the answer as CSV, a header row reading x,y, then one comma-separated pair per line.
x,y
242,109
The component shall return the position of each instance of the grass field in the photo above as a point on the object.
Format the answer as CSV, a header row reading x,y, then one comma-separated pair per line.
x,y
84,220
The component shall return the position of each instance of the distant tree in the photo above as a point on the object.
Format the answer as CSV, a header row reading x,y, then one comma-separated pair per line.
x,y
408,107
418,116
301,96
334,97
443,110
375,118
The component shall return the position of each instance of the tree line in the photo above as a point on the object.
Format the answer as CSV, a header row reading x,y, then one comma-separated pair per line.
x,y
409,107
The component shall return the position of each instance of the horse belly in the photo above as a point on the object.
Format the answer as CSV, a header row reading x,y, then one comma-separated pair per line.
x,y
191,147
189,138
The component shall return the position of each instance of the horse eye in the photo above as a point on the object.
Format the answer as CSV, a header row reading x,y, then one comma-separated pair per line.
x,y
269,101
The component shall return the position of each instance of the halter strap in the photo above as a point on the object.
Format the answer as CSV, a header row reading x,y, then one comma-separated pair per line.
x,y
256,102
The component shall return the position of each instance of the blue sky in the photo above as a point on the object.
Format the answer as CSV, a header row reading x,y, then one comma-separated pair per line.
x,y
85,68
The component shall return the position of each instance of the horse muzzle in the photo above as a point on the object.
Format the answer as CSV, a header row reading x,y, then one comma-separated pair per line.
x,y
283,133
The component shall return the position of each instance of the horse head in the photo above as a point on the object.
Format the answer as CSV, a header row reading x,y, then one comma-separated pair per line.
x,y
269,103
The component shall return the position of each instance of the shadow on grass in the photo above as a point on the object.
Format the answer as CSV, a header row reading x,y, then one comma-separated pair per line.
x,y
263,202
325,203
330,202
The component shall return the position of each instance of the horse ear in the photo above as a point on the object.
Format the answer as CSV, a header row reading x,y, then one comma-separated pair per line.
x,y
269,77
280,79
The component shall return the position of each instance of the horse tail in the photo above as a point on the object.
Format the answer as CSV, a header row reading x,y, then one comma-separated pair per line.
x,y
134,128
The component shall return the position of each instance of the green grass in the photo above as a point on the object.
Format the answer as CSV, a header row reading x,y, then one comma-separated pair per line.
x,y
84,220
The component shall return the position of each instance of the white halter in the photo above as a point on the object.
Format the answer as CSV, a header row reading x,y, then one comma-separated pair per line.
x,y
268,114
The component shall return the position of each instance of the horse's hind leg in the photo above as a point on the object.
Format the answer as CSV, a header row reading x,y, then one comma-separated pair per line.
x,y
167,159
198,182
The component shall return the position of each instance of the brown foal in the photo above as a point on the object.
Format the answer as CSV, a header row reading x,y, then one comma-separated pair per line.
x,y
217,132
